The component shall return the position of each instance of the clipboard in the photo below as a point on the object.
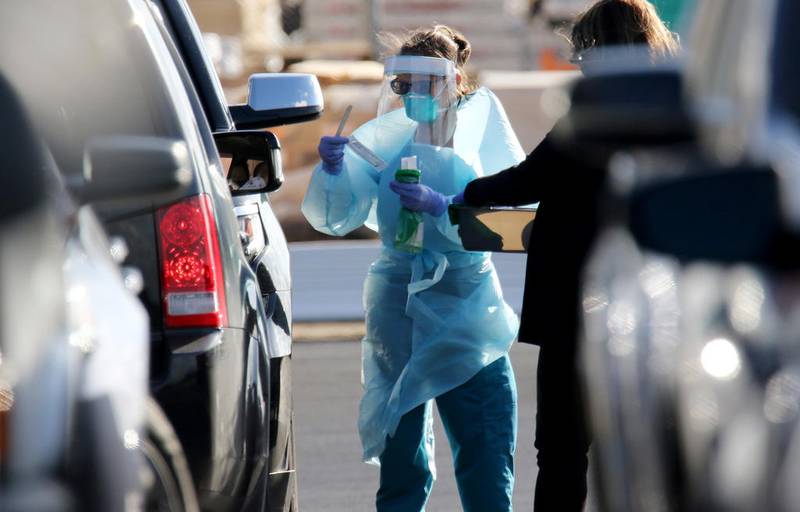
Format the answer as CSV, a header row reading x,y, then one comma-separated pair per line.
x,y
493,229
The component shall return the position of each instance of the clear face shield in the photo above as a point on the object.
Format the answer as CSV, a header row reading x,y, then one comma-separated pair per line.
x,y
419,92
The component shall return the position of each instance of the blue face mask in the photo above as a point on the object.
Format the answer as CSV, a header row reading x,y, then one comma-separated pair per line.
x,y
422,108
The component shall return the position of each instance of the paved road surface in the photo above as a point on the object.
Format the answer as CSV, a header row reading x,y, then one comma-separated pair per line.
x,y
332,477
328,277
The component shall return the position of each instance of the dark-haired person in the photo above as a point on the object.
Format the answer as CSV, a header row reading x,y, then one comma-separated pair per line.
x,y
567,189
437,326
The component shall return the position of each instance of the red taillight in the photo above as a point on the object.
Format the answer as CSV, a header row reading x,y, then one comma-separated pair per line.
x,y
6,402
192,289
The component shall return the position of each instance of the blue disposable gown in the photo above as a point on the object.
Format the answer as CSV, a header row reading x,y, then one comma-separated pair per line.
x,y
437,318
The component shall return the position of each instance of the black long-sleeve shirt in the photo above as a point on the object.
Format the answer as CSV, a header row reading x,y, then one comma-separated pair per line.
x,y
568,189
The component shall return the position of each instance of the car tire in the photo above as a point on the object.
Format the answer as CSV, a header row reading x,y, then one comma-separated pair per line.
x,y
171,489
282,495
282,485
294,505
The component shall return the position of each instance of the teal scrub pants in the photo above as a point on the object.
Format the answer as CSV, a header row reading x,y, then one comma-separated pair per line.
x,y
480,418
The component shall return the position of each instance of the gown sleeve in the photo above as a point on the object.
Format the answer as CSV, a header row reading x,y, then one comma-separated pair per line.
x,y
337,205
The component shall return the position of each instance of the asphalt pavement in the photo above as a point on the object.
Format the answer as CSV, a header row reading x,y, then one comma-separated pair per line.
x,y
327,278
332,476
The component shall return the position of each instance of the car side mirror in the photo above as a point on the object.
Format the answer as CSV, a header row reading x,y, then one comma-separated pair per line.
x,y
617,107
728,215
126,167
251,161
277,99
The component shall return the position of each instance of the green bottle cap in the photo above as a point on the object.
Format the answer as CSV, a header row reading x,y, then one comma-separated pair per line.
x,y
407,175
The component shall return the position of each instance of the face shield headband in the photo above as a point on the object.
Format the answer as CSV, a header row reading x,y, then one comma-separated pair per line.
x,y
425,85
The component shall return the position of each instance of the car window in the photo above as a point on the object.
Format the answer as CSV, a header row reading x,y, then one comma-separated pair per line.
x,y
84,68
180,24
187,82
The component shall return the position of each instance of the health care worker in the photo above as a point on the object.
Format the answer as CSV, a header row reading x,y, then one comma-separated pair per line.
x,y
437,325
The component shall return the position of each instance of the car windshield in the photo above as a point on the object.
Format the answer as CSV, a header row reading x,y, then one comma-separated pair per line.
x,y
85,68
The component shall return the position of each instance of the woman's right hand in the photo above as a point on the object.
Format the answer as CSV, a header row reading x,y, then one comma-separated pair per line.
x,y
331,151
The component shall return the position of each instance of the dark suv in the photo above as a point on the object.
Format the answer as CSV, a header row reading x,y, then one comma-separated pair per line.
x,y
247,157
116,67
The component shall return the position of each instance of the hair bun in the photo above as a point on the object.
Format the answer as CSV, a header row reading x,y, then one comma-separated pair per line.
x,y
464,49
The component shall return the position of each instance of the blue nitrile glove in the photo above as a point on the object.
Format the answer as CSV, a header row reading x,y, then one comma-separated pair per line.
x,y
420,198
459,198
331,151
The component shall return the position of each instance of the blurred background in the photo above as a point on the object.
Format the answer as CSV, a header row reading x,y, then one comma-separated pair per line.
x,y
691,296
519,50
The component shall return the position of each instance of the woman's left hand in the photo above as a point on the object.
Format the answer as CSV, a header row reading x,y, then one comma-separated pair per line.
x,y
420,198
